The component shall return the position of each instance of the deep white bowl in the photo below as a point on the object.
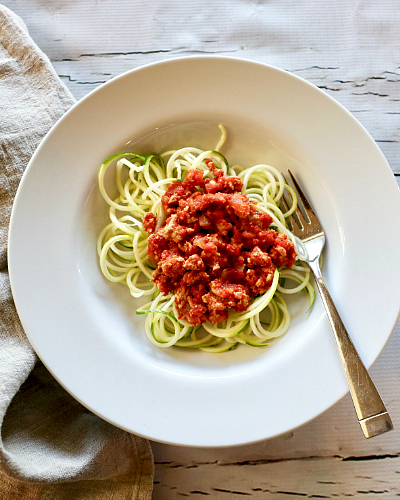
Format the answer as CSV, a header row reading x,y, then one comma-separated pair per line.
x,y
85,329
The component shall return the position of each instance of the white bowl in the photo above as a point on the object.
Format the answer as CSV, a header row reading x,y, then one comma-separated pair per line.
x,y
85,329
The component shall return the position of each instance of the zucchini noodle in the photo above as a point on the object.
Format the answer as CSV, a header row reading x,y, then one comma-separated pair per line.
x,y
122,247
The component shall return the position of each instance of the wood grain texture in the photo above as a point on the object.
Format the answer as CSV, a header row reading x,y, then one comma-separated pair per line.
x,y
91,41
285,479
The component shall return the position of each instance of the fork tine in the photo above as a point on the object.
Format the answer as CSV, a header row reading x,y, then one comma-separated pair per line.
x,y
285,203
302,196
297,218
306,204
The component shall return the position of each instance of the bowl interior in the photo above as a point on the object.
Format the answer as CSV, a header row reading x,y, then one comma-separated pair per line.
x,y
112,306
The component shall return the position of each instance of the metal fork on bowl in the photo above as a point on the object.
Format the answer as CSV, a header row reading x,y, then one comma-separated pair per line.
x,y
371,411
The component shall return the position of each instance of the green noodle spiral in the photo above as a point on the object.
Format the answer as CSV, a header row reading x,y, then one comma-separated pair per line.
x,y
122,245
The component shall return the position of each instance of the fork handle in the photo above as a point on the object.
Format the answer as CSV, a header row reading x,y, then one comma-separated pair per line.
x,y
371,411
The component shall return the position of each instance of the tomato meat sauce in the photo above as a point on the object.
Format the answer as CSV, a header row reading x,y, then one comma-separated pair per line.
x,y
215,251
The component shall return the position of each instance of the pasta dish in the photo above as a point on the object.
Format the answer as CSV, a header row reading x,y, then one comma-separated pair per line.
x,y
209,244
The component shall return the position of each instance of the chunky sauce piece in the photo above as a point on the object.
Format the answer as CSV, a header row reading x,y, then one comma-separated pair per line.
x,y
215,250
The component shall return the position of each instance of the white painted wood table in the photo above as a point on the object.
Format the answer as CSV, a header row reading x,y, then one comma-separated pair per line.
x,y
351,50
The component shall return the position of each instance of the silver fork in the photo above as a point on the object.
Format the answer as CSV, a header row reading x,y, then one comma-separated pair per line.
x,y
371,411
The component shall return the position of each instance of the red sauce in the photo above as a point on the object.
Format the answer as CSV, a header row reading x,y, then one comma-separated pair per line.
x,y
215,250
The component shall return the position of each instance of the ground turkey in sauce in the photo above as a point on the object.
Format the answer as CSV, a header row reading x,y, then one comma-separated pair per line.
x,y
215,251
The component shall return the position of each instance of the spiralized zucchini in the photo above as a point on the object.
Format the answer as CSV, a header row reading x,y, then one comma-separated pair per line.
x,y
141,181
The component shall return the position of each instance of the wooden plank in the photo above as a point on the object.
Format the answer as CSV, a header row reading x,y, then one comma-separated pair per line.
x,y
281,480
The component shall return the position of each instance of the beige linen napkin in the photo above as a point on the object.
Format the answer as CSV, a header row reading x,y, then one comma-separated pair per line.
x,y
50,446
